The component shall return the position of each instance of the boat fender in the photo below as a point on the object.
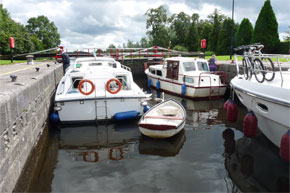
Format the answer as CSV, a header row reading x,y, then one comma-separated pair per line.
x,y
146,108
54,117
226,104
183,89
126,115
232,111
158,84
149,83
108,86
81,85
250,125
284,146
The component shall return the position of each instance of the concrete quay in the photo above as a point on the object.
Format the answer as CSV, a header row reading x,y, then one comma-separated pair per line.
x,y
24,108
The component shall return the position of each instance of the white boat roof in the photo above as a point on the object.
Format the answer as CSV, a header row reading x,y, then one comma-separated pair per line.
x,y
185,59
87,59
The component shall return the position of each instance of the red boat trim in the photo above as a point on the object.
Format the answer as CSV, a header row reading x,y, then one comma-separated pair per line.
x,y
157,127
163,117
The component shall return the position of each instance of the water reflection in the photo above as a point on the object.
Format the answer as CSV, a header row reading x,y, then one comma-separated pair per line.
x,y
254,165
162,147
99,143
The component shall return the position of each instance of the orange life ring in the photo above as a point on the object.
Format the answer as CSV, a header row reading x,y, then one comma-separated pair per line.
x,y
121,154
108,86
81,84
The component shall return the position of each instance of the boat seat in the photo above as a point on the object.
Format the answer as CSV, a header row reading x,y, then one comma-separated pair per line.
x,y
163,117
169,110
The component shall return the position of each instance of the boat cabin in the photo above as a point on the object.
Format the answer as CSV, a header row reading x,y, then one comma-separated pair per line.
x,y
178,67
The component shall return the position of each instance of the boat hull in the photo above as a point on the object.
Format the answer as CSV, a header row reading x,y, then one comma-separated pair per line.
x,y
273,115
174,87
97,109
161,133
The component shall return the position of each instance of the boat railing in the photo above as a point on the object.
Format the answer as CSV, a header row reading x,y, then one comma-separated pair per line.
x,y
280,63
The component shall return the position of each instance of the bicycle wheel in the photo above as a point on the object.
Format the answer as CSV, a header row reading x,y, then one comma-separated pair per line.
x,y
245,69
270,69
259,70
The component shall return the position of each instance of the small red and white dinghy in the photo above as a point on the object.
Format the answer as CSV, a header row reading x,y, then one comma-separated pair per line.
x,y
163,120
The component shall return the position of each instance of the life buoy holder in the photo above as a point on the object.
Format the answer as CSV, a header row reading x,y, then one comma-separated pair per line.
x,y
81,84
108,86
121,154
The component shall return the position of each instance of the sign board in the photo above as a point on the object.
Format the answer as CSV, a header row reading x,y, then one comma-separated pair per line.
x,y
11,42
203,43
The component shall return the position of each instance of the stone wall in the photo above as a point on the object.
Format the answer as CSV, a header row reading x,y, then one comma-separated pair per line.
x,y
24,108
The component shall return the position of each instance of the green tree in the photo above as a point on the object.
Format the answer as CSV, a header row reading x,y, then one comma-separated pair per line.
x,y
192,38
244,33
157,21
10,28
266,29
111,46
45,30
180,24
144,43
216,20
224,40
205,32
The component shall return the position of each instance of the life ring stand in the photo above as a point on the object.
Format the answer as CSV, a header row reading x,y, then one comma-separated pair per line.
x,y
81,84
108,86
120,151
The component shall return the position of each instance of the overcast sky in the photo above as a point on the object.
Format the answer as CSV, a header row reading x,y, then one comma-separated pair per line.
x,y
98,23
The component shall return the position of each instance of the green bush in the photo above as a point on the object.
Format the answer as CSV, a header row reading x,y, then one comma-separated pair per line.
x,y
180,48
284,47
209,53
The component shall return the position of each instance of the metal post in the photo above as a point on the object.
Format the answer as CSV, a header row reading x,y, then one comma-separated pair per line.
x,y
232,38
11,55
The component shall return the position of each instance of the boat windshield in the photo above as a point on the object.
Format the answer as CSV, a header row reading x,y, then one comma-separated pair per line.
x,y
202,66
189,66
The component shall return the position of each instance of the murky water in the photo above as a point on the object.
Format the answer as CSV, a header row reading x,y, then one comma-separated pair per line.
x,y
210,155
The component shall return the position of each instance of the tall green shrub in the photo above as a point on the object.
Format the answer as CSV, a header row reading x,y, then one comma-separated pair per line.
x,y
266,29
244,34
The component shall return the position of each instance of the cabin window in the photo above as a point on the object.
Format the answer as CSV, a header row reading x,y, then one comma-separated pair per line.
x,y
123,80
189,66
95,64
202,66
158,72
189,80
152,71
76,81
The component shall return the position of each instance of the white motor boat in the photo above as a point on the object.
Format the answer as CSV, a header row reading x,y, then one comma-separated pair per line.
x,y
98,88
269,100
188,77
163,120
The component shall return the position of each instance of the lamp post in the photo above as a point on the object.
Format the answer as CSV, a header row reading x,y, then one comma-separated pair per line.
x,y
233,23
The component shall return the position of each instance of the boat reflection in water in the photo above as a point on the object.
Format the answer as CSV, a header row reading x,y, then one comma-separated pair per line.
x,y
254,164
99,143
168,147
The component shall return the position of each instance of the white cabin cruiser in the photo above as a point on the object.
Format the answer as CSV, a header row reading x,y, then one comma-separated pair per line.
x,y
98,88
189,77
269,100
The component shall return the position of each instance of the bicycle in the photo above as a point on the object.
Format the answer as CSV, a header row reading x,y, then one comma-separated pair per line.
x,y
267,62
251,63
